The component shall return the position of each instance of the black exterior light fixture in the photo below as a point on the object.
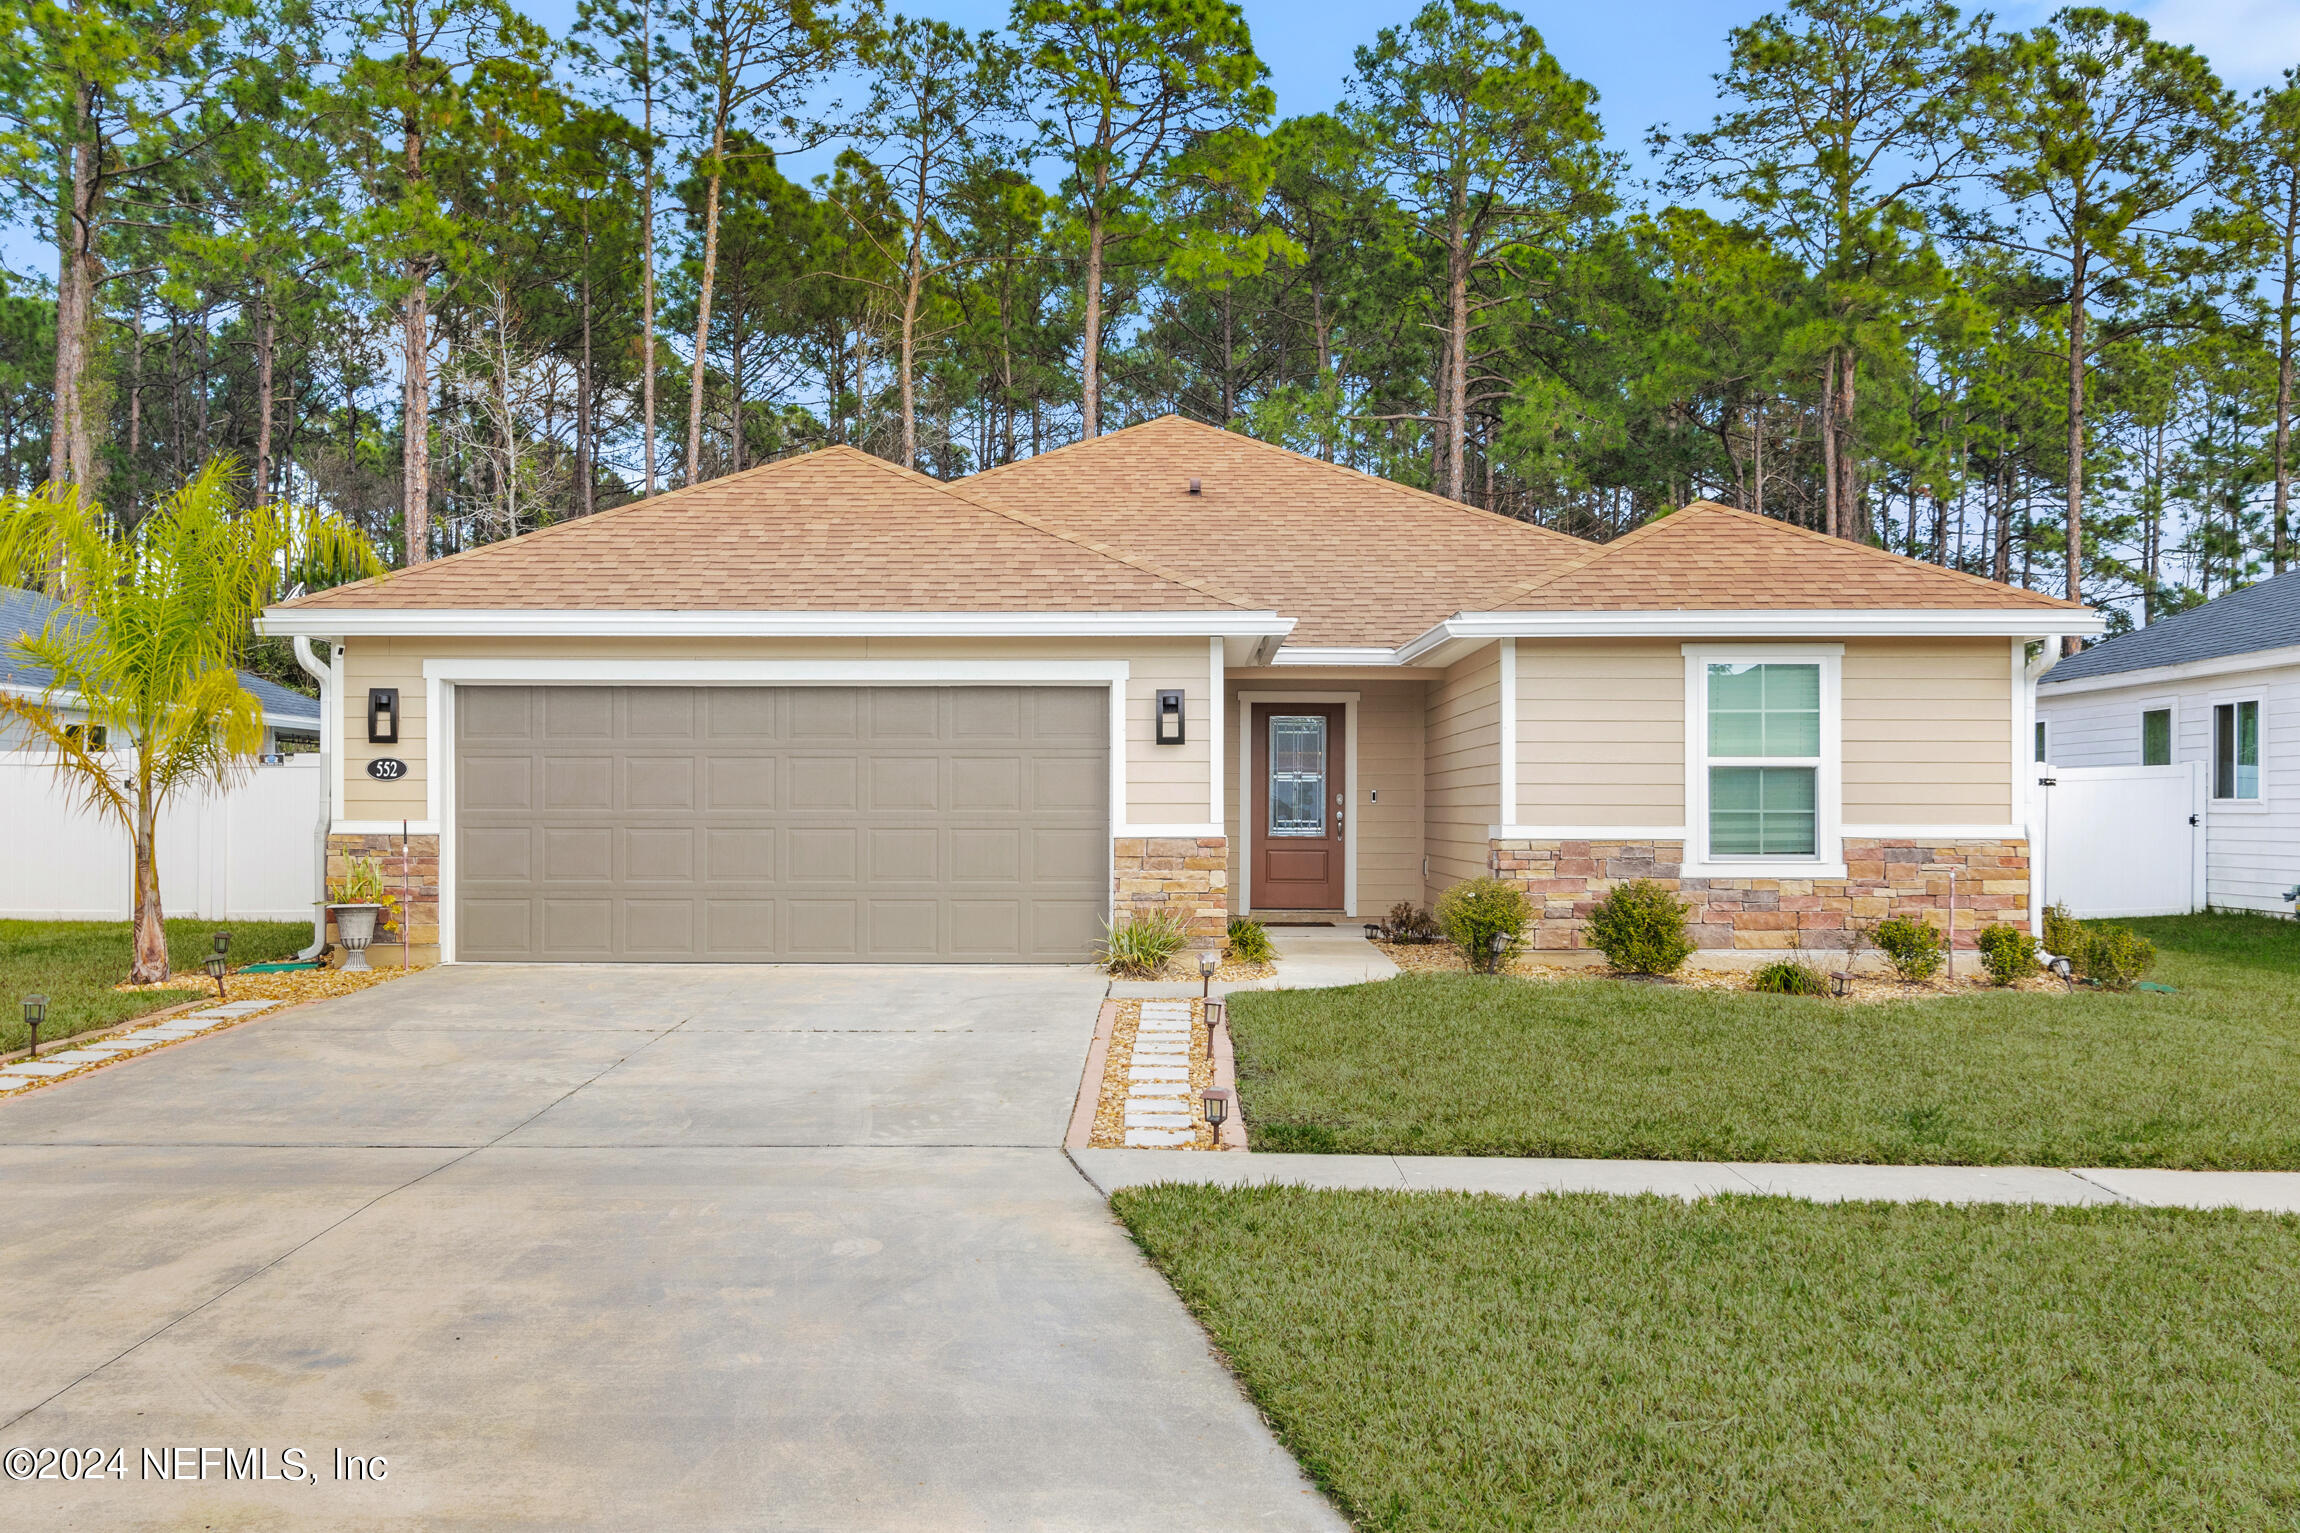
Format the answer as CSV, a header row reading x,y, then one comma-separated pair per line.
x,y
215,967
1170,718
383,715
1208,962
224,943
1216,1103
35,1013
1500,949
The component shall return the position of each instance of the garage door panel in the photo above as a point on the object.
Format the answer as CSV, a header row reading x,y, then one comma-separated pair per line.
x,y
826,824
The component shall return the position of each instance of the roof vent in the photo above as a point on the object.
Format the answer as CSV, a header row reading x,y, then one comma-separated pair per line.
x,y
1193,486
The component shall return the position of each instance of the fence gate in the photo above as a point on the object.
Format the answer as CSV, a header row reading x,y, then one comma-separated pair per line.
x,y
2124,840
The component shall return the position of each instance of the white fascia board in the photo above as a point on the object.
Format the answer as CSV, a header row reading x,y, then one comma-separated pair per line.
x,y
340,622
70,702
1362,654
2168,675
1751,623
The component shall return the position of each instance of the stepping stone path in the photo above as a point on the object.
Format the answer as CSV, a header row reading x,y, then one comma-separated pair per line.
x,y
1160,1109
27,1072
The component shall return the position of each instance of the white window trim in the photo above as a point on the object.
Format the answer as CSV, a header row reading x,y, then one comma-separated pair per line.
x,y
442,677
1244,848
1828,787
2214,701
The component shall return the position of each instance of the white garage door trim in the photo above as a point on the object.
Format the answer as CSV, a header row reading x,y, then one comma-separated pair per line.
x,y
440,677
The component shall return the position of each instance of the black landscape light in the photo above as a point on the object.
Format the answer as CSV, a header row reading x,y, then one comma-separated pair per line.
x,y
1208,962
224,943
35,1013
1216,1102
215,968
1842,982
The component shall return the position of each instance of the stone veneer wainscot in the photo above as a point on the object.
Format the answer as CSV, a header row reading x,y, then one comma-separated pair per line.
x,y
421,917
1566,879
1186,876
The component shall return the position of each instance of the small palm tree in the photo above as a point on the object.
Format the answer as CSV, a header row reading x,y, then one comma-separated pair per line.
x,y
147,645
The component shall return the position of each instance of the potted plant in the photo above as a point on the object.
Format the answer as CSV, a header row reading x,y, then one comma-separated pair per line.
x,y
355,901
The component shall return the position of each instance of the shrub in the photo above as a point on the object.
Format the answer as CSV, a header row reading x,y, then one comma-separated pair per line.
x,y
1250,942
2007,952
2064,936
1474,912
1409,922
1142,946
1912,947
2117,956
1790,976
1640,928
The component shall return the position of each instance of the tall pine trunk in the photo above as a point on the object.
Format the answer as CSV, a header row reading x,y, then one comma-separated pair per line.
x,y
266,334
703,307
415,384
2283,528
1454,406
1090,373
2075,533
71,447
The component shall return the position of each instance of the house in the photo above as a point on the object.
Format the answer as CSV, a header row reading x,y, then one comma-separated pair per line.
x,y
291,720
2217,685
829,709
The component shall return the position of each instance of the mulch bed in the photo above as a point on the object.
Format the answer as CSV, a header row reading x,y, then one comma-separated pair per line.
x,y
1445,958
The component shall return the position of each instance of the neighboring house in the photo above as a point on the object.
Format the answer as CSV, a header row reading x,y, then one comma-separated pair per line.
x,y
830,709
2219,685
291,720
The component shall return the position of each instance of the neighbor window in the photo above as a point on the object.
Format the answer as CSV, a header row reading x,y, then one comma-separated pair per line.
x,y
2040,741
2236,750
95,735
1765,760
2156,737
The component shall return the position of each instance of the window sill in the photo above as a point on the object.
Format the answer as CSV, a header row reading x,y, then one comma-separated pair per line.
x,y
1762,870
2239,806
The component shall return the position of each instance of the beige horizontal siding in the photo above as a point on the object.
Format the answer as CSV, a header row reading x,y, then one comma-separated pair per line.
x,y
1601,732
1928,731
1462,783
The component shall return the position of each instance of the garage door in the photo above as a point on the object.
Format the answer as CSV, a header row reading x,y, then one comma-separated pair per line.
x,y
802,824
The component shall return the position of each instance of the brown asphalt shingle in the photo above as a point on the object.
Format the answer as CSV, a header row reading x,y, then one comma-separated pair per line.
x,y
1356,559
833,531
1707,557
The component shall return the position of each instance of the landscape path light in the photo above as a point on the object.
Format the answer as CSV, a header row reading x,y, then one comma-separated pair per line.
x,y
215,968
35,1013
1208,962
1216,1102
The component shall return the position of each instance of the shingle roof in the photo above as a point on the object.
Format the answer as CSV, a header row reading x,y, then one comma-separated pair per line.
x,y
2262,616
1705,557
1355,559
832,531
28,612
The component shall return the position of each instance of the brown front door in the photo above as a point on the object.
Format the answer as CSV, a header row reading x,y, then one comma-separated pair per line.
x,y
1299,798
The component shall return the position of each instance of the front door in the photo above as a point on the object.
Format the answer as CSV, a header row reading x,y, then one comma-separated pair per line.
x,y
1299,797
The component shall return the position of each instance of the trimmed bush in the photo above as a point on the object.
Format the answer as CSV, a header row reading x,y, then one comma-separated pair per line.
x,y
1912,947
2007,952
1250,942
1141,947
2064,936
1789,976
1640,928
1472,913
2117,956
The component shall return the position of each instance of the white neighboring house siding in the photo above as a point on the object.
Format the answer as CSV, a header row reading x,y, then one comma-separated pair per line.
x,y
2252,847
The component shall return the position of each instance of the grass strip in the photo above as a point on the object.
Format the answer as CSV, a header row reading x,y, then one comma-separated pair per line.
x,y
76,964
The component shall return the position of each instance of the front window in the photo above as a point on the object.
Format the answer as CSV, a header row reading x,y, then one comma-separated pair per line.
x,y
2236,750
1298,775
1765,760
2156,737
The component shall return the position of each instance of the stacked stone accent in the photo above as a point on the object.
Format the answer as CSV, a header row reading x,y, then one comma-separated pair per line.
x,y
419,921
1188,877
1566,879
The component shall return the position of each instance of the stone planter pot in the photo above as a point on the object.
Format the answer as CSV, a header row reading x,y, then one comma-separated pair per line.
x,y
355,929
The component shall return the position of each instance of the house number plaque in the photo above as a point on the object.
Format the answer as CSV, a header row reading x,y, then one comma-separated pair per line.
x,y
387,768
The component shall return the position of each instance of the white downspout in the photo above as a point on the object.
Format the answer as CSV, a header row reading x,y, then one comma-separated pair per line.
x,y
329,723
2036,801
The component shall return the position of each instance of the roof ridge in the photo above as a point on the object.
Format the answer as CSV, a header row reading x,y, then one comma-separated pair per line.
x,y
759,471
1357,474
1597,551
950,488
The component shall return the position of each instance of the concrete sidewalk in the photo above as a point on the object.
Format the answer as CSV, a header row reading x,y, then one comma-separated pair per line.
x,y
2260,1191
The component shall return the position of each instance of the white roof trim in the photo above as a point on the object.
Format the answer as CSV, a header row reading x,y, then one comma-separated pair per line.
x,y
344,622
1360,654
2165,675
1753,623
294,723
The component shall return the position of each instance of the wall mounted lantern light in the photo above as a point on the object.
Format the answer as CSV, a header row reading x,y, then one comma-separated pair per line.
x,y
383,715
1170,718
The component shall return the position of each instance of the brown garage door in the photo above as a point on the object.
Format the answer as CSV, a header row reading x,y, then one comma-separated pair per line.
x,y
801,824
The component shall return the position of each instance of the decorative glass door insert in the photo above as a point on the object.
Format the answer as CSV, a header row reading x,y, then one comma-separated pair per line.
x,y
1297,775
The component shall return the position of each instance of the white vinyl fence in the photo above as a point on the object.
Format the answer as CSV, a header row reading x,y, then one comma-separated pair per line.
x,y
2124,840
250,854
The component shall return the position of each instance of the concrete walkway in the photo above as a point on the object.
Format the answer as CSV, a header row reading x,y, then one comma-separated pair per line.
x,y
2261,1191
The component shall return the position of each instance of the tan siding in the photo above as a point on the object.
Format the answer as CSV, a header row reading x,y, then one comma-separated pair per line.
x,y
1390,828
1928,732
1462,783
1165,784
1601,732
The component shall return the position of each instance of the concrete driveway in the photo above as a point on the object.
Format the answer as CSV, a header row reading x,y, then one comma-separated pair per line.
x,y
638,1247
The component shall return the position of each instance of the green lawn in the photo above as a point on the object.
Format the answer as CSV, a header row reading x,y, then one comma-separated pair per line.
x,y
1444,1361
1473,1065
76,964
